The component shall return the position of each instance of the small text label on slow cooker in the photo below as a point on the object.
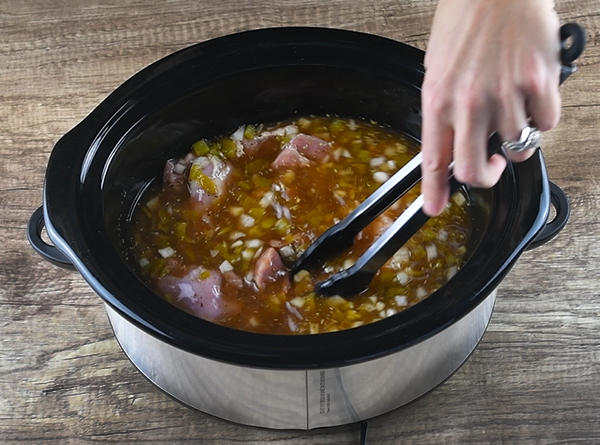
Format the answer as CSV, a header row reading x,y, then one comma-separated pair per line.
x,y
324,397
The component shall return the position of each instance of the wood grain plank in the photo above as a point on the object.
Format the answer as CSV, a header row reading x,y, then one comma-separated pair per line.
x,y
535,377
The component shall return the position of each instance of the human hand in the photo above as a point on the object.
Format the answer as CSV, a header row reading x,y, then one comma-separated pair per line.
x,y
491,64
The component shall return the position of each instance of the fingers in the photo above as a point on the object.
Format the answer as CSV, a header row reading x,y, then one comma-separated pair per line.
x,y
471,163
465,141
511,120
437,155
542,103
511,75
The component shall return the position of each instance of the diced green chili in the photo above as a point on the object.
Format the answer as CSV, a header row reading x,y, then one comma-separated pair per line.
x,y
229,148
250,131
200,148
261,182
196,174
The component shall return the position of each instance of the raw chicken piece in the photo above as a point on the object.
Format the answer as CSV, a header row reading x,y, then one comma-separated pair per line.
x,y
300,150
174,173
198,294
310,146
260,144
289,158
269,269
217,174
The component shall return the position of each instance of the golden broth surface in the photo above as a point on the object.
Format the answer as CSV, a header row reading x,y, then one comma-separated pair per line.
x,y
176,238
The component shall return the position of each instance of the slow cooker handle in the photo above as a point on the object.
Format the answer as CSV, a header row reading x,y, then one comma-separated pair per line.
x,y
34,235
563,210
572,43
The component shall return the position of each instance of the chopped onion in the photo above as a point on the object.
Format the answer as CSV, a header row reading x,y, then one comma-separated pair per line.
x,y
400,257
380,306
291,130
278,210
267,199
298,302
389,151
337,153
254,243
166,252
352,125
304,123
442,235
236,211
252,321
401,300
152,203
376,162
225,266
247,221
368,307
390,312
301,275
239,134
258,252
401,148
459,199
214,252
432,251
402,277
346,154
336,300
238,243
451,272
236,235
381,177
421,293
247,254
293,327
143,262
287,251
293,310
179,168
348,263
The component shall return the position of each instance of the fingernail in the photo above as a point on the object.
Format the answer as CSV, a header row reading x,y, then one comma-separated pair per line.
x,y
428,208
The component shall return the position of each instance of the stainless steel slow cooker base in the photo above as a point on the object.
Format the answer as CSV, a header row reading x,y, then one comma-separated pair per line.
x,y
303,399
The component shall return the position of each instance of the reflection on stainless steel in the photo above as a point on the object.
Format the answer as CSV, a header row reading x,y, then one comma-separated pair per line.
x,y
368,389
303,399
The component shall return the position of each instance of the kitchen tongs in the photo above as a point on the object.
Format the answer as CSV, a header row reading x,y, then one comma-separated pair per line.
x,y
340,237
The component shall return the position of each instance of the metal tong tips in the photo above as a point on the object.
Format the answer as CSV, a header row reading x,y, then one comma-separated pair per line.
x,y
340,237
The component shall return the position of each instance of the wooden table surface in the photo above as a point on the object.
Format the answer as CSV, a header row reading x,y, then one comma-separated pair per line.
x,y
535,377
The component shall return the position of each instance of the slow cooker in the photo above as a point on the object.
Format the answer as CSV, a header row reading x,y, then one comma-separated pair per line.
x,y
98,170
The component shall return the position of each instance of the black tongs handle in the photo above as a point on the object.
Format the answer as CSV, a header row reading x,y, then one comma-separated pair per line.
x,y
340,237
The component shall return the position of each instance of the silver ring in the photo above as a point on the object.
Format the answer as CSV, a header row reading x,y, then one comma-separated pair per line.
x,y
530,138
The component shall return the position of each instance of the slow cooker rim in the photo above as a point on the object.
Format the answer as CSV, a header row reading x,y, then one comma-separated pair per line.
x,y
91,270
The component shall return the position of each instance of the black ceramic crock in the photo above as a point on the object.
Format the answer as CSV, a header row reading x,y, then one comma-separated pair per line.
x,y
98,170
